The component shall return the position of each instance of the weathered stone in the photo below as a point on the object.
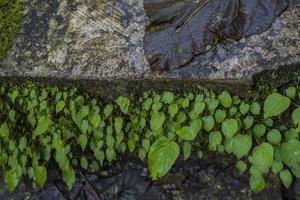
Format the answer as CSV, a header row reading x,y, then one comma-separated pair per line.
x,y
103,40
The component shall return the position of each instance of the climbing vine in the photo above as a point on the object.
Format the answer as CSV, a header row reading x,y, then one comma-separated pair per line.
x,y
39,123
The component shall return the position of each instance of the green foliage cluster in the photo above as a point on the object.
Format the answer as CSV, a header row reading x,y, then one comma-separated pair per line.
x,y
10,24
39,123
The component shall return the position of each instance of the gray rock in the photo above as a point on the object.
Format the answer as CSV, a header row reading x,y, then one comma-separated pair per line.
x,y
103,41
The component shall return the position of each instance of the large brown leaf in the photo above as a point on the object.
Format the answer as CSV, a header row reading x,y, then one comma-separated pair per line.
x,y
182,29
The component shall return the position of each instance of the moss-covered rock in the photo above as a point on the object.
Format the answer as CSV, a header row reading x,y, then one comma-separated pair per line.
x,y
10,24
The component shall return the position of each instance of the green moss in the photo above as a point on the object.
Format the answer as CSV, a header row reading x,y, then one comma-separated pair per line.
x,y
10,24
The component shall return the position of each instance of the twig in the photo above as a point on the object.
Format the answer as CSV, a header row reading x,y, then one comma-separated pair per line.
x,y
90,187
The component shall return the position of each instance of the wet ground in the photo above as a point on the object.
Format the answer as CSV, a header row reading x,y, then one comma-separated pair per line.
x,y
212,177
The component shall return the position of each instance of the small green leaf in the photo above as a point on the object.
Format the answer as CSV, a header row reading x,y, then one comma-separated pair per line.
x,y
40,175
146,144
220,116
4,131
274,136
157,120
108,109
22,143
42,125
168,97
215,140
142,154
244,108
124,104
248,122
259,130
197,110
255,108
11,180
241,145
60,106
257,183
291,92
286,178
275,104
229,128
162,156
262,157
173,109
110,154
241,166
83,141
187,150
208,123
290,155
186,133
212,104
95,121
225,99
69,177
276,167
84,162
296,116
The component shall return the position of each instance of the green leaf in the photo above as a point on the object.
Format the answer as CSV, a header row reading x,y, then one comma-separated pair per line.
x,y
215,140
95,121
187,150
225,99
255,108
60,106
40,175
146,144
241,166
173,109
22,143
259,130
124,104
11,180
84,162
257,183
290,155
274,136
42,125
156,106
185,103
187,133
241,145
162,156
262,157
248,122
212,104
220,116
108,109
69,177
168,97
291,92
275,104
197,110
208,123
157,120
118,124
286,178
244,108
296,116
229,128
83,112
83,141
110,154
276,167
4,131
142,154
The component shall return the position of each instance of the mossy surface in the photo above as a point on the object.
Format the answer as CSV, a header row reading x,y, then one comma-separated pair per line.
x,y
10,24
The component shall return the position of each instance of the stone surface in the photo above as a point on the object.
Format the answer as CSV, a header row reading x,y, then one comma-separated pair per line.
x,y
103,40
